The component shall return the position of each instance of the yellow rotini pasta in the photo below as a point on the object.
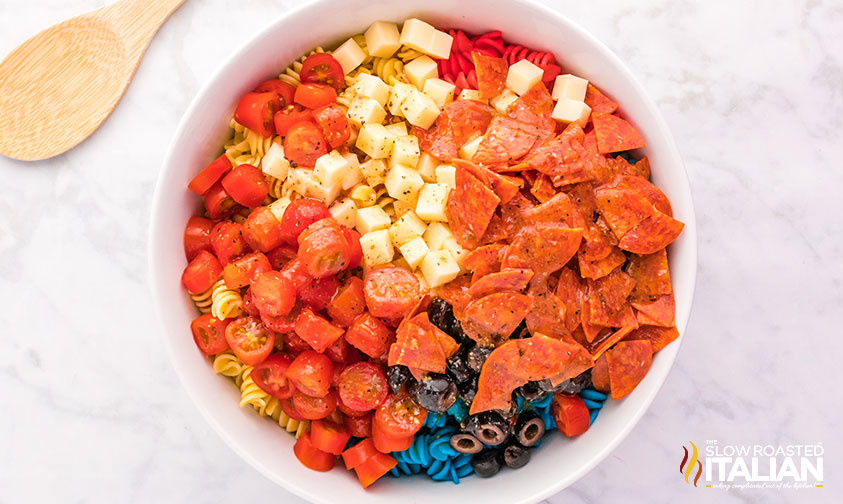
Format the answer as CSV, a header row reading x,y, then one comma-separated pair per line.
x,y
250,393
291,74
407,54
246,146
390,70
227,364
227,302
204,300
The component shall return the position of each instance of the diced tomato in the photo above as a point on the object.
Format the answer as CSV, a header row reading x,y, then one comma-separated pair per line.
x,y
210,175
310,456
322,68
294,272
304,144
227,241
201,273
246,185
314,96
294,343
241,272
314,408
283,324
209,334
571,414
311,373
360,426
359,453
262,231
348,302
355,250
300,214
338,352
218,203
256,110
283,89
399,416
317,331
273,294
280,256
249,305
331,118
323,248
271,376
197,236
318,292
369,335
250,340
362,386
385,443
391,292
328,436
290,115
371,470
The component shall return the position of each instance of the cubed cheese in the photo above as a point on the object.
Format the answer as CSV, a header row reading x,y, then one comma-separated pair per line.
x,y
372,218
503,100
432,201
420,110
446,174
417,34
439,267
403,183
353,175
274,163
467,151
440,45
349,55
568,111
436,234
405,151
315,189
364,110
278,207
470,94
371,86
400,91
374,171
382,39
296,181
440,91
456,250
426,167
345,212
414,251
407,227
330,169
377,248
375,141
419,70
397,129
522,76
569,87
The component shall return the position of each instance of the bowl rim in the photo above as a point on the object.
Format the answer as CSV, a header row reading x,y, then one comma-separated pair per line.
x,y
155,240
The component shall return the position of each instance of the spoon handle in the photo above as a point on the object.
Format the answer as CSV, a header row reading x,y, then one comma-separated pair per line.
x,y
138,20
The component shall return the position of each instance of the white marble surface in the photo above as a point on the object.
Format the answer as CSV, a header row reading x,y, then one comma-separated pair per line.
x,y
93,412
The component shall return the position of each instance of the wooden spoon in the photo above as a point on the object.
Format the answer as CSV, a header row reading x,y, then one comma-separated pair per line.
x,y
60,85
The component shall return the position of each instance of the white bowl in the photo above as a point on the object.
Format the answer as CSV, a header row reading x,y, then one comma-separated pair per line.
x,y
560,461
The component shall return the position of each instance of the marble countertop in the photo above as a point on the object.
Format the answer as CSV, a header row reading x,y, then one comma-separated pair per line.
x,y
93,412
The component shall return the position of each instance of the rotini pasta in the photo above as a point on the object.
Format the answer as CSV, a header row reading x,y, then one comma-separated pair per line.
x,y
227,364
204,300
227,303
390,70
245,146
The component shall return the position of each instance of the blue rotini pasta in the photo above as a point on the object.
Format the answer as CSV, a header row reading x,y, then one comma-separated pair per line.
x,y
594,402
431,451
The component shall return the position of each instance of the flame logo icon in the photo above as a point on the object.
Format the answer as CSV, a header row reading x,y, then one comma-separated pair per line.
x,y
687,470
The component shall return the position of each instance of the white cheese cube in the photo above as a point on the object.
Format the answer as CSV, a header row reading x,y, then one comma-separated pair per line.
x,y
353,175
414,251
569,87
372,218
446,174
432,201
375,141
330,169
345,212
274,163
278,207
377,248
442,92
407,227
417,34
426,167
436,234
374,171
470,94
400,91
467,151
419,70
455,249
405,151
403,183
315,189
397,129
567,111
364,110
371,86
382,39
439,268
522,76
420,110
440,45
349,55
297,181
503,100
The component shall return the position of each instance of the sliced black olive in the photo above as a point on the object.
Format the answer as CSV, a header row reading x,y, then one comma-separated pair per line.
x,y
570,387
468,390
486,463
529,429
396,377
531,391
457,367
515,455
489,427
476,356
435,392
440,313
521,331
464,442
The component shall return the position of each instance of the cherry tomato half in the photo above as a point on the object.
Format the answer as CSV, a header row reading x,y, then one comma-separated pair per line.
x,y
385,443
310,456
571,414
197,236
242,271
284,324
262,231
249,305
348,303
399,416
294,272
311,373
294,343
290,115
329,436
391,292
304,144
314,408
201,273
355,250
369,335
300,214
323,248
273,294
324,69
280,256
210,175
250,340
337,352
256,110
227,241
271,376
283,89
246,185
331,118
360,426
362,386
317,331
219,204
314,96
209,334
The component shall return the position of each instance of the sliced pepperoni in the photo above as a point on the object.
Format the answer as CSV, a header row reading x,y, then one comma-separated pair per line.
x,y
542,188
456,294
613,289
543,248
505,187
651,274
548,313
615,134
640,168
644,187
591,331
506,141
601,267
484,260
599,103
491,74
438,141
659,337
512,280
557,209
568,290
600,375
652,234
467,118
493,318
563,156
628,363
534,107
601,315
470,208
660,311
417,346
623,209
605,340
